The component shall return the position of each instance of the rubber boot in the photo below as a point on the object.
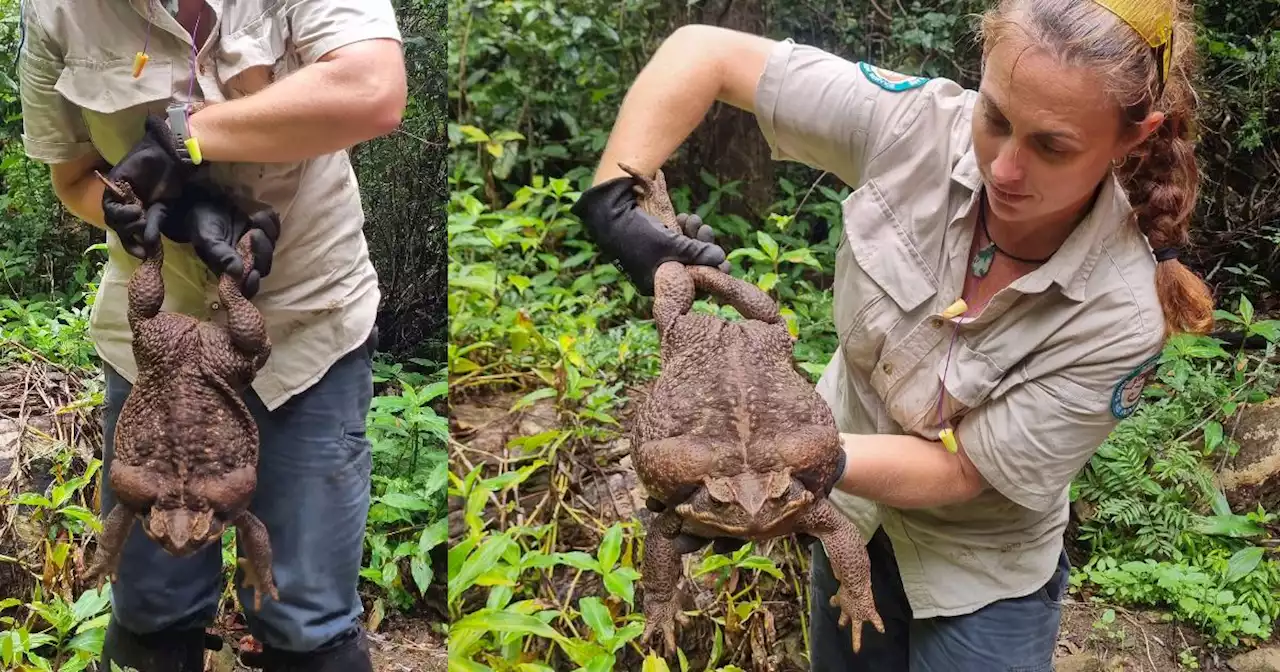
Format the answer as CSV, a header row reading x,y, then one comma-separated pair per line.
x,y
348,652
163,651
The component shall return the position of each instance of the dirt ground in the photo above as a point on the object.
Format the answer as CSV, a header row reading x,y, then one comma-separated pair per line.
x,y
398,645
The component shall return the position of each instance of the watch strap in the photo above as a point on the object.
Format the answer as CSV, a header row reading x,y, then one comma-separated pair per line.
x,y
177,116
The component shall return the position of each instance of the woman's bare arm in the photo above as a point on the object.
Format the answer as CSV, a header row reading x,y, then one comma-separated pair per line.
x,y
695,67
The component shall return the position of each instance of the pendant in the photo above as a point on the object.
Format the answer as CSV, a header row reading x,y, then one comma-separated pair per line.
x,y
982,260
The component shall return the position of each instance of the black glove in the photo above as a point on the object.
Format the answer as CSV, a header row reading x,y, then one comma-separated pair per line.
x,y
639,242
154,173
214,224
839,472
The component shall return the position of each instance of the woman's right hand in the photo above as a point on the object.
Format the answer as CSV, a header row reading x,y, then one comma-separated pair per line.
x,y
637,241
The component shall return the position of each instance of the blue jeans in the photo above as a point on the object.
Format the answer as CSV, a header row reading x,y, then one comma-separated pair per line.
x,y
1013,635
313,496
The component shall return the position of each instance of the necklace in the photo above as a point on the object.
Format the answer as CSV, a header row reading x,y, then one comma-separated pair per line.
x,y
981,264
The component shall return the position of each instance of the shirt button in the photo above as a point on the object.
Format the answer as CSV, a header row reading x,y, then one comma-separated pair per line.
x,y
216,306
935,322
887,367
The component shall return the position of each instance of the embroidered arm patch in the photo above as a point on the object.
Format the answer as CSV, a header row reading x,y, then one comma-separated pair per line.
x,y
1128,392
889,80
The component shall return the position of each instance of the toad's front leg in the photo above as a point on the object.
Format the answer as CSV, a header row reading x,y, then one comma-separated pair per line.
x,y
257,566
847,551
115,529
662,567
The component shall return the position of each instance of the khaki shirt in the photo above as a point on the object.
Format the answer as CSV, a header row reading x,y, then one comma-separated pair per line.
x,y
78,94
1036,381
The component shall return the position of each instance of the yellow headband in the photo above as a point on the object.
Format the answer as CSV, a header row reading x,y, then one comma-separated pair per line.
x,y
1153,20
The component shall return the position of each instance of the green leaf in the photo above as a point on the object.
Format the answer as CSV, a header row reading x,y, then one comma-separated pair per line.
x,y
768,244
610,547
402,500
478,564
1246,309
1268,329
652,663
422,574
1225,316
1212,436
761,563
747,252
578,560
597,617
620,585
505,621
1242,562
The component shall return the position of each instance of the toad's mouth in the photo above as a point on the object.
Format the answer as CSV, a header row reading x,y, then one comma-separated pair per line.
x,y
753,506
181,531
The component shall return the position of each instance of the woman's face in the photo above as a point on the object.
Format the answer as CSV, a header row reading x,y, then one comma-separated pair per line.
x,y
1044,134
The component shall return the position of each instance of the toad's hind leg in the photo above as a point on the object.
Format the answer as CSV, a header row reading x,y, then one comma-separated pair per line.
x,y
746,298
847,551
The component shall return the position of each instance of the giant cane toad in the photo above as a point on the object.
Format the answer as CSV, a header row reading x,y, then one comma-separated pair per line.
x,y
733,441
186,446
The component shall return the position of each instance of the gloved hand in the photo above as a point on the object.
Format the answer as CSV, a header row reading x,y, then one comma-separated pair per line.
x,y
639,242
154,173
838,475
214,224
216,229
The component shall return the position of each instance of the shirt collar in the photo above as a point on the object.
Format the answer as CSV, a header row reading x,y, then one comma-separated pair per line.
x,y
1070,266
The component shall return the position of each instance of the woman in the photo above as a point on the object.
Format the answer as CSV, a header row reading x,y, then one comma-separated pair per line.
x,y
1007,278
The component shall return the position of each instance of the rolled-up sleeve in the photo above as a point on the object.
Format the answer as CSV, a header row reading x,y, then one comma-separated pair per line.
x,y
816,108
52,129
320,26
1032,441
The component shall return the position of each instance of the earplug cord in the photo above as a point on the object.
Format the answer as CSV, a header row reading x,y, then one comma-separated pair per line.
x,y
957,309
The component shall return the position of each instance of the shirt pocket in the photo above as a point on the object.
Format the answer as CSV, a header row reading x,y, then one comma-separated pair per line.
x,y
880,276
940,393
254,50
112,103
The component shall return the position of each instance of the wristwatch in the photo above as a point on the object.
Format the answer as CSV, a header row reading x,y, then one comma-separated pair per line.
x,y
187,148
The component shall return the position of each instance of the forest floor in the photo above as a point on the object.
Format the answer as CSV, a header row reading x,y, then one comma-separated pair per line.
x,y
398,645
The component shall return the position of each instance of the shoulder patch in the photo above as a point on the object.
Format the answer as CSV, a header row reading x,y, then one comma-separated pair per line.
x,y
889,80
1128,392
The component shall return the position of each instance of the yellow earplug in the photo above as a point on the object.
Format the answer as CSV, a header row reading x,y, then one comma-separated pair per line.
x,y
139,62
948,440
193,148
955,309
